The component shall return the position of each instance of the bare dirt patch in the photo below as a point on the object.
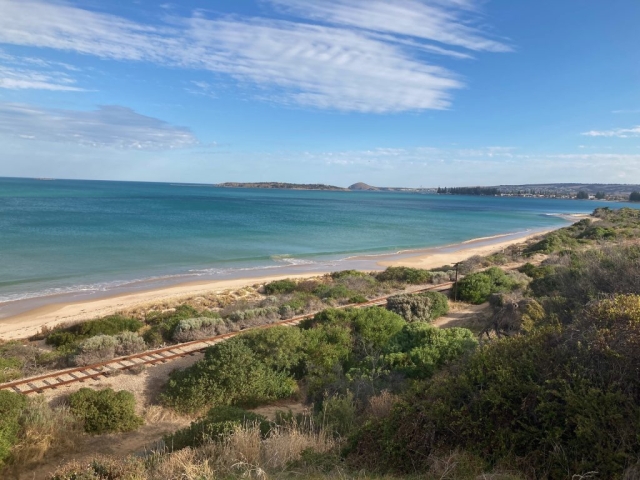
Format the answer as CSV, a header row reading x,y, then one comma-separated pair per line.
x,y
465,315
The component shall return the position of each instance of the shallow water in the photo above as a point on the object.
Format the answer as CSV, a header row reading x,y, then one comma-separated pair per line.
x,y
85,237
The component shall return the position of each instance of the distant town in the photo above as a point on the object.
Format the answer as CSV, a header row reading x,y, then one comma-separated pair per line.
x,y
580,191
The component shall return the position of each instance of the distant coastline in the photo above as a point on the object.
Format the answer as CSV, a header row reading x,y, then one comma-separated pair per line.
x,y
281,186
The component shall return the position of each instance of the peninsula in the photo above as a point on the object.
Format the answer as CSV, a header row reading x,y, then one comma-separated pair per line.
x,y
281,185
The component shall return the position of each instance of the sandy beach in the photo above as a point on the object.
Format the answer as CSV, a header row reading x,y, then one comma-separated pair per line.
x,y
30,322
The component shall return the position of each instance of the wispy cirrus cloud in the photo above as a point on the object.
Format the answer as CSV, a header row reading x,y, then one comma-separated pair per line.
x,y
342,55
616,132
108,126
438,21
19,73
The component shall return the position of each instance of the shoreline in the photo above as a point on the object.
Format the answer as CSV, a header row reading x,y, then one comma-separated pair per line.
x,y
29,322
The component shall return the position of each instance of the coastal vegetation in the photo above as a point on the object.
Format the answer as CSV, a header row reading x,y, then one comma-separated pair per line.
x,y
549,389
101,339
105,411
634,196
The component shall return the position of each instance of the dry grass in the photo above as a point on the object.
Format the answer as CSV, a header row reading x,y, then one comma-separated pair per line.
x,y
380,405
243,454
46,432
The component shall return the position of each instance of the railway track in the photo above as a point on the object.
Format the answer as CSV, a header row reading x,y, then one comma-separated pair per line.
x,y
60,378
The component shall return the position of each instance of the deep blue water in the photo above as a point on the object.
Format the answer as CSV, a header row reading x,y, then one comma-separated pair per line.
x,y
84,236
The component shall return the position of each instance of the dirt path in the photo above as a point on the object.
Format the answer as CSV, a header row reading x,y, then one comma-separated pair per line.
x,y
464,315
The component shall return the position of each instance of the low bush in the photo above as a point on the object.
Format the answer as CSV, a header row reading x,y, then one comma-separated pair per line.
x,y
267,313
230,374
129,343
195,328
44,432
414,276
105,411
439,277
336,291
338,414
164,324
10,369
471,264
280,286
554,401
358,299
477,287
348,273
419,307
420,349
111,325
11,406
105,347
219,422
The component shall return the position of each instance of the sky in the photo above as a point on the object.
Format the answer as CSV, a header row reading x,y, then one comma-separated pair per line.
x,y
402,93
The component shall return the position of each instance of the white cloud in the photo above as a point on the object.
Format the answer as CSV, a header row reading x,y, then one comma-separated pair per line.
x,y
626,111
365,57
21,78
109,126
439,21
617,132
18,73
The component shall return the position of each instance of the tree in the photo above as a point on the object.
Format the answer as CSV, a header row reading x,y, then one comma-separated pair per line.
x,y
600,195
582,195
634,197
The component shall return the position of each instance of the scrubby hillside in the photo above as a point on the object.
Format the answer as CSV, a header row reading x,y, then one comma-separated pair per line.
x,y
548,387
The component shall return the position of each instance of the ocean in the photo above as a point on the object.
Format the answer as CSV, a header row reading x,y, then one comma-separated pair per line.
x,y
79,239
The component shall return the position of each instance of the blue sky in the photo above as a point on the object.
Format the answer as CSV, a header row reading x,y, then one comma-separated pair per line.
x,y
392,93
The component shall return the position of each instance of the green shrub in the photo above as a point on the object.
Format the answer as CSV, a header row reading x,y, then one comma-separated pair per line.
x,y
419,307
105,411
280,286
534,271
336,291
414,276
10,369
11,406
338,414
348,273
358,299
195,328
111,325
219,422
554,401
420,349
165,323
62,338
230,374
280,348
153,337
129,343
254,313
477,287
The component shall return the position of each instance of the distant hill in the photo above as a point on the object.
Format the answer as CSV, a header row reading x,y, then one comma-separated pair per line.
x,y
362,186
280,185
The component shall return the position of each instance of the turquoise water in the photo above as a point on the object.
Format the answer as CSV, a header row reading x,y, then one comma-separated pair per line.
x,y
83,237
